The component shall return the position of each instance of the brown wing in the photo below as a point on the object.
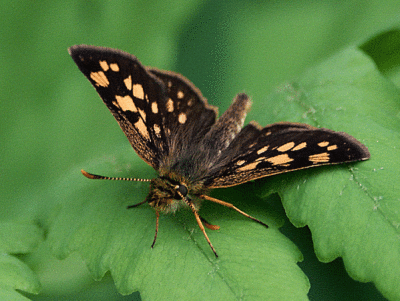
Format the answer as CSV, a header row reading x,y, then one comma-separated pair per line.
x,y
281,147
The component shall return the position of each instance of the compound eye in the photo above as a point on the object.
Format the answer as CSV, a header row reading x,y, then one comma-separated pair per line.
x,y
182,189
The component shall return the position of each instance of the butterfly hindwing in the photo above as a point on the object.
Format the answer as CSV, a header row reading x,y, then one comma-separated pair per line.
x,y
226,128
280,148
188,117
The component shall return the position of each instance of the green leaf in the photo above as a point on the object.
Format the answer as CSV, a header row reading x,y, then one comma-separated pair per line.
x,y
353,211
254,262
17,238
14,274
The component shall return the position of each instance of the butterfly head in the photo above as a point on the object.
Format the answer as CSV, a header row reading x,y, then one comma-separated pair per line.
x,y
167,195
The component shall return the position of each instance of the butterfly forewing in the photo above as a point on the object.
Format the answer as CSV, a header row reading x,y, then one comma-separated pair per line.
x,y
283,147
135,97
160,112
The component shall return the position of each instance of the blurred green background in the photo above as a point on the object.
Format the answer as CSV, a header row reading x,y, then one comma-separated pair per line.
x,y
52,121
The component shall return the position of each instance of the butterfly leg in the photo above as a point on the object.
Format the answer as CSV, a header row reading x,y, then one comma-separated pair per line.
x,y
208,225
229,205
155,235
136,205
157,219
198,219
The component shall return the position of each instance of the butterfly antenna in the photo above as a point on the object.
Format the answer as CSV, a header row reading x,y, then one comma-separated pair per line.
x,y
97,177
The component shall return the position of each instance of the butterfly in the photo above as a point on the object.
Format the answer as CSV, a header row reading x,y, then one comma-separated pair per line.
x,y
172,128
